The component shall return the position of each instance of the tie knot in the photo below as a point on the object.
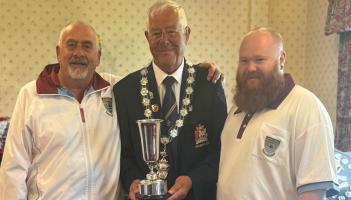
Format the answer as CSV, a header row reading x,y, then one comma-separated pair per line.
x,y
168,81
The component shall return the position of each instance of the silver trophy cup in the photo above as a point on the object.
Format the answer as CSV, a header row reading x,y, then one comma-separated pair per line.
x,y
152,187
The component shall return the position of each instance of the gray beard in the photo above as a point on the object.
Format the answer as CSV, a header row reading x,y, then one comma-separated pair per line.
x,y
78,73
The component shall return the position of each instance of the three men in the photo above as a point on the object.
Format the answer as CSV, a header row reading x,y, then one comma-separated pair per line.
x,y
277,142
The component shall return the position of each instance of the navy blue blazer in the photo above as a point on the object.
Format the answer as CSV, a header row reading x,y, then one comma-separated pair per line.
x,y
198,161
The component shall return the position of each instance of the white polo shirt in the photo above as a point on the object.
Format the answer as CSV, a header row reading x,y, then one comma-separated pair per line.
x,y
277,153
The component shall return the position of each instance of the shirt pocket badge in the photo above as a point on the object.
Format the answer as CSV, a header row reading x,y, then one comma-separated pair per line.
x,y
107,101
270,146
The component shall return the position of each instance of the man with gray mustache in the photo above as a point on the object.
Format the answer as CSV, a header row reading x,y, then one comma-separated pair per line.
x,y
63,141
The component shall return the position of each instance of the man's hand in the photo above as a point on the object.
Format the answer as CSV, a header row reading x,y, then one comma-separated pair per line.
x,y
133,189
214,73
180,188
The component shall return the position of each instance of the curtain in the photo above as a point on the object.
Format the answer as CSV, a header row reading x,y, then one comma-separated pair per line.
x,y
339,21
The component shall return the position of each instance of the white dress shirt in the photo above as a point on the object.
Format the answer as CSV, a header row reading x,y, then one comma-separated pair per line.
x,y
161,75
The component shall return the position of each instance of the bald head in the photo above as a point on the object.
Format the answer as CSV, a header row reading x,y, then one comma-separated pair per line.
x,y
262,44
267,37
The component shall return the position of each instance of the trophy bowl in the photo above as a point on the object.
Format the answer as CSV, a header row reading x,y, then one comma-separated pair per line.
x,y
152,187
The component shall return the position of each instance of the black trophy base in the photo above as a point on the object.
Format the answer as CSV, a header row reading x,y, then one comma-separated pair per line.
x,y
152,197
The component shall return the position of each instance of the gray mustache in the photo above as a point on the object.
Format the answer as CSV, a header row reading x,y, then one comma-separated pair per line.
x,y
79,60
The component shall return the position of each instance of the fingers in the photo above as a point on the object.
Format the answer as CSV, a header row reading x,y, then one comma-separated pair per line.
x,y
211,69
222,77
214,72
133,189
180,188
179,195
217,75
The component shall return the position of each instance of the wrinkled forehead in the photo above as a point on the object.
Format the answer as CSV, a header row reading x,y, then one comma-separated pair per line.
x,y
166,16
165,19
79,32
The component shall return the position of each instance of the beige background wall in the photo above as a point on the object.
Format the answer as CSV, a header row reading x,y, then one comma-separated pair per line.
x,y
321,57
29,32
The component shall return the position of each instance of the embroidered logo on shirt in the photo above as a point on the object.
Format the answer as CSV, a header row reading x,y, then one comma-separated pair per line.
x,y
201,136
108,104
270,146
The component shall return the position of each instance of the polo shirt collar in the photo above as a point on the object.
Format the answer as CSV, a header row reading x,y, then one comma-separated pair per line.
x,y
48,81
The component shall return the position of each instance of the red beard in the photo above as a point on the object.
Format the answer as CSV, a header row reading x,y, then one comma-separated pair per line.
x,y
256,96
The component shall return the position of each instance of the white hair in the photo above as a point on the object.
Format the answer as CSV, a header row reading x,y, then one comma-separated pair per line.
x,y
162,5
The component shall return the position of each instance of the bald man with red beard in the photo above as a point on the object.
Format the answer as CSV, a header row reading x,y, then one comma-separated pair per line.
x,y
277,142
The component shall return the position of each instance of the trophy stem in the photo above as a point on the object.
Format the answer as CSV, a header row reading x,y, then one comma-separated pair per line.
x,y
163,163
151,175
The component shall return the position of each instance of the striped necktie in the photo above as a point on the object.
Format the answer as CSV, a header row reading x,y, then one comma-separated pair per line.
x,y
169,107
170,112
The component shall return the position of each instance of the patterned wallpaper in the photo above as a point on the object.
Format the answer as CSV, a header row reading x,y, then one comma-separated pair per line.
x,y
321,58
290,18
29,31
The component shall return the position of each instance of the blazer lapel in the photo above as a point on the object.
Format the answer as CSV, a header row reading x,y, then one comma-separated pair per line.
x,y
183,84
